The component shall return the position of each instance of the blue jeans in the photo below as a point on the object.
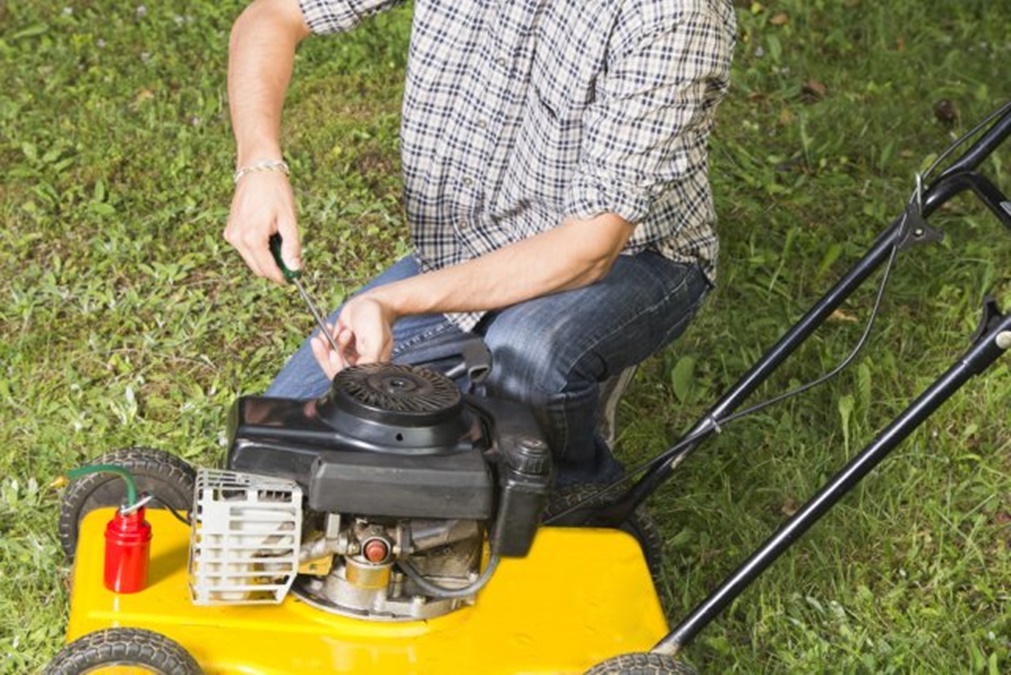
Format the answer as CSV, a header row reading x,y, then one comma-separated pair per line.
x,y
553,352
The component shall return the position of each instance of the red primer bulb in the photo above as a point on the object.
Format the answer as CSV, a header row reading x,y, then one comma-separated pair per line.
x,y
127,552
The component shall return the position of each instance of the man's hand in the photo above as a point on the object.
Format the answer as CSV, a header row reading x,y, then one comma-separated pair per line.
x,y
263,205
261,56
364,334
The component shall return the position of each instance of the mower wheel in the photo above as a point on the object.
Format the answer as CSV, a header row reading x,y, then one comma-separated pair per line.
x,y
639,524
647,663
166,477
126,650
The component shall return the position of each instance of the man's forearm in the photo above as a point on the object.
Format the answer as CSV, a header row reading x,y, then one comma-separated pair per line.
x,y
261,57
572,255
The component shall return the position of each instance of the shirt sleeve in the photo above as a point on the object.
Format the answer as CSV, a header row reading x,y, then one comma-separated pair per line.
x,y
337,16
648,127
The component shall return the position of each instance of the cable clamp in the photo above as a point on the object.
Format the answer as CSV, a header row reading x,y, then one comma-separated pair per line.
x,y
143,501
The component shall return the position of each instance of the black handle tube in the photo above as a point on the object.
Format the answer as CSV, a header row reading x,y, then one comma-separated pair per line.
x,y
984,146
978,358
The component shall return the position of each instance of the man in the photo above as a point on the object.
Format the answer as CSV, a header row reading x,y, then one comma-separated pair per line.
x,y
555,186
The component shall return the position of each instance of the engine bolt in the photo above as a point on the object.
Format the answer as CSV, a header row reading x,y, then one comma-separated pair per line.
x,y
376,550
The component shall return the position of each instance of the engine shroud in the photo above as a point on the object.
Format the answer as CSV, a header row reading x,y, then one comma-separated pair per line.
x,y
398,441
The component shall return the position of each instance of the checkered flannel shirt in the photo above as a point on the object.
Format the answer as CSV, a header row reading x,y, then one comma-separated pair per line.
x,y
520,114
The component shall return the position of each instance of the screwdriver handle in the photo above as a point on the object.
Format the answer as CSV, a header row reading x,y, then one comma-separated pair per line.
x,y
275,249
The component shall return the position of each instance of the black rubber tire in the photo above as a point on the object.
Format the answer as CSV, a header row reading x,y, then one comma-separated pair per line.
x,y
165,476
123,647
646,663
640,525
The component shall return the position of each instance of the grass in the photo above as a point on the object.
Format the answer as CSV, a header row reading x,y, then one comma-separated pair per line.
x,y
126,320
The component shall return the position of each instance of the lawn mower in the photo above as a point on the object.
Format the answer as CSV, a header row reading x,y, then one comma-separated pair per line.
x,y
403,523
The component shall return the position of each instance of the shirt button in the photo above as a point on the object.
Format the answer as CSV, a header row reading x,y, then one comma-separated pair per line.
x,y
501,61
468,181
482,124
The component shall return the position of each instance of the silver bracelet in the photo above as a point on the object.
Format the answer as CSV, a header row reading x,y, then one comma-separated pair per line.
x,y
277,165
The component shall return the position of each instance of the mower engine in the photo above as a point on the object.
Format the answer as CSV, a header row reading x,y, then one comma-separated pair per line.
x,y
384,499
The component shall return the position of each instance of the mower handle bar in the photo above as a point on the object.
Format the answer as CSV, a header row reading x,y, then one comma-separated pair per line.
x,y
957,177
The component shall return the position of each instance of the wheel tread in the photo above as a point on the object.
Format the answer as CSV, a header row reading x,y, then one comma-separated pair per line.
x,y
131,646
645,663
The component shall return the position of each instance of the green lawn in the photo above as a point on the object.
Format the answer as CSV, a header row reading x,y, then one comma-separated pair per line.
x,y
125,319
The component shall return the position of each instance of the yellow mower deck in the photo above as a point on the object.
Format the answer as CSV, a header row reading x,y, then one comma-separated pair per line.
x,y
581,596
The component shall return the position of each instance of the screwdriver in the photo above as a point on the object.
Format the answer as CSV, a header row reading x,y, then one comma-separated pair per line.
x,y
293,276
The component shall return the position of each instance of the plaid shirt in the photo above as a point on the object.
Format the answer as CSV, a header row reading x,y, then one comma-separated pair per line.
x,y
520,114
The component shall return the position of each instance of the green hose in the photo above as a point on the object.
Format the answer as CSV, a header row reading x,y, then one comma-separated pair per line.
x,y
131,486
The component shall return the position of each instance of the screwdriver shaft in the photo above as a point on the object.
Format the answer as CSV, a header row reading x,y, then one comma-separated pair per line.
x,y
316,315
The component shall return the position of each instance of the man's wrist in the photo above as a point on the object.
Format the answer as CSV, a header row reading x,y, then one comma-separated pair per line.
x,y
388,300
261,166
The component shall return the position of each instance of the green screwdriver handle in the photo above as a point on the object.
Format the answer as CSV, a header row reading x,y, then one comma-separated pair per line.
x,y
275,248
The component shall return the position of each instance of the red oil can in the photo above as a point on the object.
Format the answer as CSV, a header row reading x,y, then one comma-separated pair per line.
x,y
127,552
